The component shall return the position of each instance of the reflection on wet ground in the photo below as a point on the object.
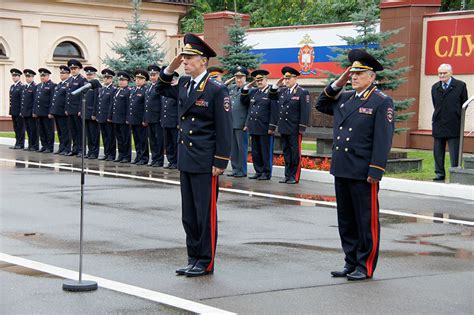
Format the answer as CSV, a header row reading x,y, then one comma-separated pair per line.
x,y
19,270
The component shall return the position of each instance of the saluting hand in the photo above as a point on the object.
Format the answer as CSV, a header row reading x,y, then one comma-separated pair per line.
x,y
175,63
217,171
248,86
229,81
345,76
280,81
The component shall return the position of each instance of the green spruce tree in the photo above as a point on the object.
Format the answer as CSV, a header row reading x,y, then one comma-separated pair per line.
x,y
139,49
365,21
237,53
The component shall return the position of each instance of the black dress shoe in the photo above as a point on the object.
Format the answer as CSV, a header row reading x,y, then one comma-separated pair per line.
x,y
42,149
263,177
70,154
284,180
58,152
356,275
292,181
439,177
134,162
141,162
197,271
118,160
102,158
48,151
157,164
182,271
172,167
92,157
110,158
125,161
254,176
240,175
12,148
344,272
79,155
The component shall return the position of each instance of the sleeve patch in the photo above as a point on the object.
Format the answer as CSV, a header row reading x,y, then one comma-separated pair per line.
x,y
390,114
227,103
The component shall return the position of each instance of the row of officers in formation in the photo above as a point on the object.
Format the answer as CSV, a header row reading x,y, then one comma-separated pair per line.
x,y
116,113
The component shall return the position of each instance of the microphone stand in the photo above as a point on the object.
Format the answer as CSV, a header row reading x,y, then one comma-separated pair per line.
x,y
81,285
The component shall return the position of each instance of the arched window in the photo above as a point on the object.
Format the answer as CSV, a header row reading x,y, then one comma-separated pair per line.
x,y
3,52
68,49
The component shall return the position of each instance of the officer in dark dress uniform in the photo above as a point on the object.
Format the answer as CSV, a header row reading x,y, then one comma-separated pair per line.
x,y
363,131
135,114
16,90
205,123
27,103
151,118
169,122
44,98
216,73
294,107
74,106
261,123
118,116
239,117
58,111
104,105
92,126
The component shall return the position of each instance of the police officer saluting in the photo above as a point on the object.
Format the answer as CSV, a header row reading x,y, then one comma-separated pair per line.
x,y
104,106
169,122
118,116
27,103
261,123
16,90
57,111
92,127
239,117
363,131
44,98
74,105
151,118
294,116
135,117
204,139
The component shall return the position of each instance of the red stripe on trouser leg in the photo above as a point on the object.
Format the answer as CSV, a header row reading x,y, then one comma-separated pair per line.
x,y
213,221
374,230
298,168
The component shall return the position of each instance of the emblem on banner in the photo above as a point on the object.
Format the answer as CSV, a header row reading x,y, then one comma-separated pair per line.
x,y
306,55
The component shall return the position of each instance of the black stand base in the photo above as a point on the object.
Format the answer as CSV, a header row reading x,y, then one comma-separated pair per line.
x,y
76,286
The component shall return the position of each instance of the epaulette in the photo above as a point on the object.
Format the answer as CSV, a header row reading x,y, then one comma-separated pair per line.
x,y
380,93
215,82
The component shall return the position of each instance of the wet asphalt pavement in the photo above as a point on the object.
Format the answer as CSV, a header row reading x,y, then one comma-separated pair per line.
x,y
273,256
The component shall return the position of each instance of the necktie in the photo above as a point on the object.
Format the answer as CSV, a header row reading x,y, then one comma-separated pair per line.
x,y
445,85
191,87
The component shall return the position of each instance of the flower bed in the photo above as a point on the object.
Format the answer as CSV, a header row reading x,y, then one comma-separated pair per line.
x,y
307,162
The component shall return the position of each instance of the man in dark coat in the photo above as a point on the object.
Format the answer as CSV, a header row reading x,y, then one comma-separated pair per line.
x,y
118,116
104,105
27,103
92,126
44,98
152,116
293,119
448,95
169,122
261,123
58,111
16,89
363,131
205,123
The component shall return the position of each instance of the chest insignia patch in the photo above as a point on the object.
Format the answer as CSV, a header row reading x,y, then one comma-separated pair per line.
x,y
365,110
202,103
227,103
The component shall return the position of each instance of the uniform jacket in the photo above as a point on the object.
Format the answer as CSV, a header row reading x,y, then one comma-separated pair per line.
x,y
44,97
447,104
152,105
73,103
169,112
28,99
104,103
118,111
205,123
294,110
92,98
136,106
239,110
363,131
16,91
262,111
58,103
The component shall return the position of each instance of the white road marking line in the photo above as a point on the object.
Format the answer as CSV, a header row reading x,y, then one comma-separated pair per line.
x,y
155,296
243,192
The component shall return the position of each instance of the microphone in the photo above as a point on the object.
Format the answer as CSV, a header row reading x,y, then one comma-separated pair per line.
x,y
93,84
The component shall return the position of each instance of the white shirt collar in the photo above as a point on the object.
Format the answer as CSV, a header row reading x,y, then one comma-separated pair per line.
x,y
293,88
199,78
360,94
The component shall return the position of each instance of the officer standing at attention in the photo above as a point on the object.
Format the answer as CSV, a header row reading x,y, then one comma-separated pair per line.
x,y
363,131
205,122
44,98
92,126
27,103
104,105
118,115
261,123
16,90
169,122
151,118
135,114
294,116
57,111
74,106
239,116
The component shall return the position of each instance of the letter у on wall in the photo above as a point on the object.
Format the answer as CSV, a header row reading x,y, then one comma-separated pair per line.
x,y
450,41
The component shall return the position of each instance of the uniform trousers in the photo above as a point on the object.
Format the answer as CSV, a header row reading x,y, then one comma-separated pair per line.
x,y
291,145
75,125
170,136
108,139
124,142
262,154
140,138
155,135
62,128
239,152
46,132
32,132
19,128
93,137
